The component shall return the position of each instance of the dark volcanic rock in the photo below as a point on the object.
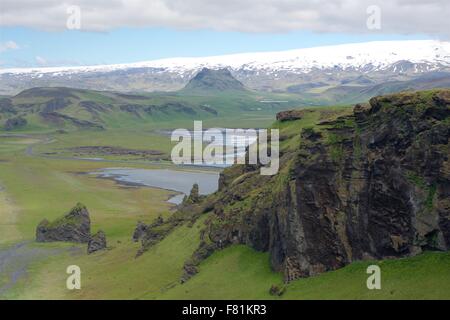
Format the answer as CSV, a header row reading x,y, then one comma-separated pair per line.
x,y
97,242
214,80
6,106
152,233
375,184
15,123
73,227
139,231
291,115
59,118
189,271
193,196
201,253
276,290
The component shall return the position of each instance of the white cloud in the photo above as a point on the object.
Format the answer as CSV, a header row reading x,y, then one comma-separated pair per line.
x,y
398,16
8,45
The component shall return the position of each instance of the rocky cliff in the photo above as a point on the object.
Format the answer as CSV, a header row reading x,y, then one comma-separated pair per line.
x,y
97,242
75,226
371,183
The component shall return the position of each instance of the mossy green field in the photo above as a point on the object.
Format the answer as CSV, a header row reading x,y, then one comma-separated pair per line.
x,y
40,185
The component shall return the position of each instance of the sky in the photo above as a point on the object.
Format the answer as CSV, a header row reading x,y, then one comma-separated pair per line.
x,y
80,32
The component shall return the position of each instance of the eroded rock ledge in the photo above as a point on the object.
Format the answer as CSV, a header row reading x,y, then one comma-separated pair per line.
x,y
370,185
75,226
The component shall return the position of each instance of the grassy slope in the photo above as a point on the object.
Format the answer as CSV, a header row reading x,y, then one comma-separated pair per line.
x,y
44,188
241,273
139,140
234,109
8,218
35,183
32,184
112,274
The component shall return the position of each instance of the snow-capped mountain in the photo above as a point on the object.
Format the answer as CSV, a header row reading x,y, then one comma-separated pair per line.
x,y
360,63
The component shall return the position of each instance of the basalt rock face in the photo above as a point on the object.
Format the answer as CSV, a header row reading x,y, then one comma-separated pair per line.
x,y
139,231
371,184
97,242
290,115
15,123
73,227
193,198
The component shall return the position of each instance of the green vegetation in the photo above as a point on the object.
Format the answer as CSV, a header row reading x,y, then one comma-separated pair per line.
x,y
68,219
241,273
430,196
237,272
36,188
46,109
422,184
32,183
40,178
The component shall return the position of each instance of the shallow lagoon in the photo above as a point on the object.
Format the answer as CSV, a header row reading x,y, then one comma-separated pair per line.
x,y
176,180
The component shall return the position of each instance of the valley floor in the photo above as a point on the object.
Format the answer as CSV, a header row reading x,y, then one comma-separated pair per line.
x,y
33,187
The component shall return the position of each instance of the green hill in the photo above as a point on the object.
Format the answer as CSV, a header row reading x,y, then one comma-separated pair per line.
x,y
33,188
334,202
43,109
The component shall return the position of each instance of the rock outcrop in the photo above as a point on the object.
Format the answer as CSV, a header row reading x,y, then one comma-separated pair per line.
x,y
152,233
97,242
75,226
290,115
276,290
371,184
15,123
193,197
139,231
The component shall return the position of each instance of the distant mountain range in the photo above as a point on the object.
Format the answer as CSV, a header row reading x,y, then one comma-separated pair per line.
x,y
210,94
311,71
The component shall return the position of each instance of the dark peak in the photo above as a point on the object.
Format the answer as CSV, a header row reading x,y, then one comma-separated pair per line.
x,y
214,80
206,72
